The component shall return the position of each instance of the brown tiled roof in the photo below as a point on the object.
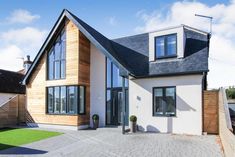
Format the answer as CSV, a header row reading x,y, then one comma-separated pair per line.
x,y
10,82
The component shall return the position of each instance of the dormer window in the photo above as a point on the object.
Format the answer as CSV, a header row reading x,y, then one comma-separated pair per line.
x,y
165,46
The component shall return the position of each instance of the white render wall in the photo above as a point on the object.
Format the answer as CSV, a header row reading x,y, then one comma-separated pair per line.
x,y
4,97
97,88
188,118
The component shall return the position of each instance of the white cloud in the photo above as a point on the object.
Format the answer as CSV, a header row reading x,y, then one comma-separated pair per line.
x,y
112,21
10,58
22,16
222,47
17,43
28,38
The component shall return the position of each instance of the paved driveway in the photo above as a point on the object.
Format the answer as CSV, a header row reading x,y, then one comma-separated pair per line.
x,y
110,142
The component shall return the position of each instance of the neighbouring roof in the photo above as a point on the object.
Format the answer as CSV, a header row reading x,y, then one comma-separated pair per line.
x,y
10,82
130,54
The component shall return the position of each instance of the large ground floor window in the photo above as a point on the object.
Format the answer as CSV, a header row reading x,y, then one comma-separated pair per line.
x,y
66,100
164,101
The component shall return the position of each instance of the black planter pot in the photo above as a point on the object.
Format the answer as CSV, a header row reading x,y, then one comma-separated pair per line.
x,y
95,124
133,127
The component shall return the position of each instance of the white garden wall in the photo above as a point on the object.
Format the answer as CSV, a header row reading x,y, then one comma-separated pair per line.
x,y
188,118
4,97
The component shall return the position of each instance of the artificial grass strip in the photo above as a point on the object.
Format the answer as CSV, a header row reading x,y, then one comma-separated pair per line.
x,y
10,137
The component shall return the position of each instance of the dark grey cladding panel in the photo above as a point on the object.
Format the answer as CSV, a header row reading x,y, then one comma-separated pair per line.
x,y
138,43
197,62
195,35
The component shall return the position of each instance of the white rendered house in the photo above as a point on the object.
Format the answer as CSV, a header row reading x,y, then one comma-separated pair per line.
x,y
79,72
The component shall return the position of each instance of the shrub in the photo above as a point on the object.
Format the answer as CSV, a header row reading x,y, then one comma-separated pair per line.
x,y
230,92
133,118
95,117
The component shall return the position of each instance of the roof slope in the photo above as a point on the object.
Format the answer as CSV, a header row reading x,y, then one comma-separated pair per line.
x,y
10,82
134,62
138,43
130,54
115,52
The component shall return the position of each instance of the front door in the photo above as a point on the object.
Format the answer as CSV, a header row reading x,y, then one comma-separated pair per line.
x,y
114,107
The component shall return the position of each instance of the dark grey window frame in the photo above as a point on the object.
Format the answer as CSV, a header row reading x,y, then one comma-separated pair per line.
x,y
164,95
111,88
165,47
78,100
57,60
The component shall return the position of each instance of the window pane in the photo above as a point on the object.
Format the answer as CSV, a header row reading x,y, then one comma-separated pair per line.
x,y
63,49
108,73
63,35
57,69
117,80
63,64
72,99
170,101
57,50
171,45
126,82
108,102
50,100
63,99
82,100
51,65
57,99
159,92
158,102
160,47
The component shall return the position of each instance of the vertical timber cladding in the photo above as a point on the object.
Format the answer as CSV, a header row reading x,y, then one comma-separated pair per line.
x,y
77,73
210,112
84,73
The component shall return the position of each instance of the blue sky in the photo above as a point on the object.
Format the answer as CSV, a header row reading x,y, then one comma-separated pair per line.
x,y
24,26
97,13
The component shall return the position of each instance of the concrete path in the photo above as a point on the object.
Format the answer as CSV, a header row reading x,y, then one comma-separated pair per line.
x,y
110,142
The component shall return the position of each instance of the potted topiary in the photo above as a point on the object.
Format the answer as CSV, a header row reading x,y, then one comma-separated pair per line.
x,y
95,119
133,126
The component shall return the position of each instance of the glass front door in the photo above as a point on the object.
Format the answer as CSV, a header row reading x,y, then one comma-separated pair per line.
x,y
114,95
114,107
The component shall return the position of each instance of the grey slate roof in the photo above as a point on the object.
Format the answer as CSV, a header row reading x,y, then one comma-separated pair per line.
x,y
195,55
136,63
138,43
130,54
10,82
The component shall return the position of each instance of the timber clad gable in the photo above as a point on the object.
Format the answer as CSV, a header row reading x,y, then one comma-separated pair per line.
x,y
77,73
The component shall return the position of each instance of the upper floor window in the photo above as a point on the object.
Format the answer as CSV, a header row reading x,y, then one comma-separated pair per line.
x,y
165,46
56,58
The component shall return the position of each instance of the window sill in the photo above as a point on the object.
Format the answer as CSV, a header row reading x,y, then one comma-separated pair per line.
x,y
55,79
165,116
65,114
166,57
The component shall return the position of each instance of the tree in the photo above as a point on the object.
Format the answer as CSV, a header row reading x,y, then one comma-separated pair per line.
x,y
230,92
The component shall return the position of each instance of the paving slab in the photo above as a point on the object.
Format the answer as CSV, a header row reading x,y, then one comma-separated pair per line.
x,y
111,143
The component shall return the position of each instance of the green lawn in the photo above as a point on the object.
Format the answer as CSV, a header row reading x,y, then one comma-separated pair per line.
x,y
10,137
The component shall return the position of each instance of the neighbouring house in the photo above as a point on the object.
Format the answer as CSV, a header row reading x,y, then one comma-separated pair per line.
x,y
79,72
12,98
10,85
